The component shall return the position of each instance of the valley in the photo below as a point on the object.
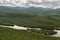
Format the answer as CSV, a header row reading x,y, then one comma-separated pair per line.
x,y
28,21
13,34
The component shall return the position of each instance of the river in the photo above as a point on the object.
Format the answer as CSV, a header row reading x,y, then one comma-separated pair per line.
x,y
25,28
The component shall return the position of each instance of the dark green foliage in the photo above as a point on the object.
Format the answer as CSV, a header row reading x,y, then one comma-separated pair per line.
x,y
12,34
29,19
48,21
49,32
43,32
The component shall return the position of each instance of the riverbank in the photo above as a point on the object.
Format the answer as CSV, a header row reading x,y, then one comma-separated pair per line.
x,y
26,28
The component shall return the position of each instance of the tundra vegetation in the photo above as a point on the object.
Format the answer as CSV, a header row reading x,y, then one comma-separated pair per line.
x,y
46,20
12,34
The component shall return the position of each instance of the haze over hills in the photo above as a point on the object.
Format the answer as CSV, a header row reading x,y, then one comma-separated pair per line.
x,y
53,4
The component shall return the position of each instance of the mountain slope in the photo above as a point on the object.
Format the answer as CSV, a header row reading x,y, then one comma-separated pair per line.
x,y
30,19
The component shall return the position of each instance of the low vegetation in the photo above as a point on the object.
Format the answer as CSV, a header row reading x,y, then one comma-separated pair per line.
x,y
30,19
12,34
43,32
47,21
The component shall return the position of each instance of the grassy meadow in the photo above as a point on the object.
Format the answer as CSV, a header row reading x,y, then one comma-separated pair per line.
x,y
12,34
47,20
30,19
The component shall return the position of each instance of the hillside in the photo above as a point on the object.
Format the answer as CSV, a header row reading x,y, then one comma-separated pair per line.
x,y
30,19
12,34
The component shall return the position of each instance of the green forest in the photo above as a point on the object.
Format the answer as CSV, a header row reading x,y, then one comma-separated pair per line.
x,y
46,20
30,19
12,34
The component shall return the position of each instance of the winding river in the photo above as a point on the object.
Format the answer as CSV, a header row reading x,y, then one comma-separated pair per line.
x,y
57,34
25,28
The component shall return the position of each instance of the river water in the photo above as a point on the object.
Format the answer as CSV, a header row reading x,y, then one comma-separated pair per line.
x,y
57,34
25,28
